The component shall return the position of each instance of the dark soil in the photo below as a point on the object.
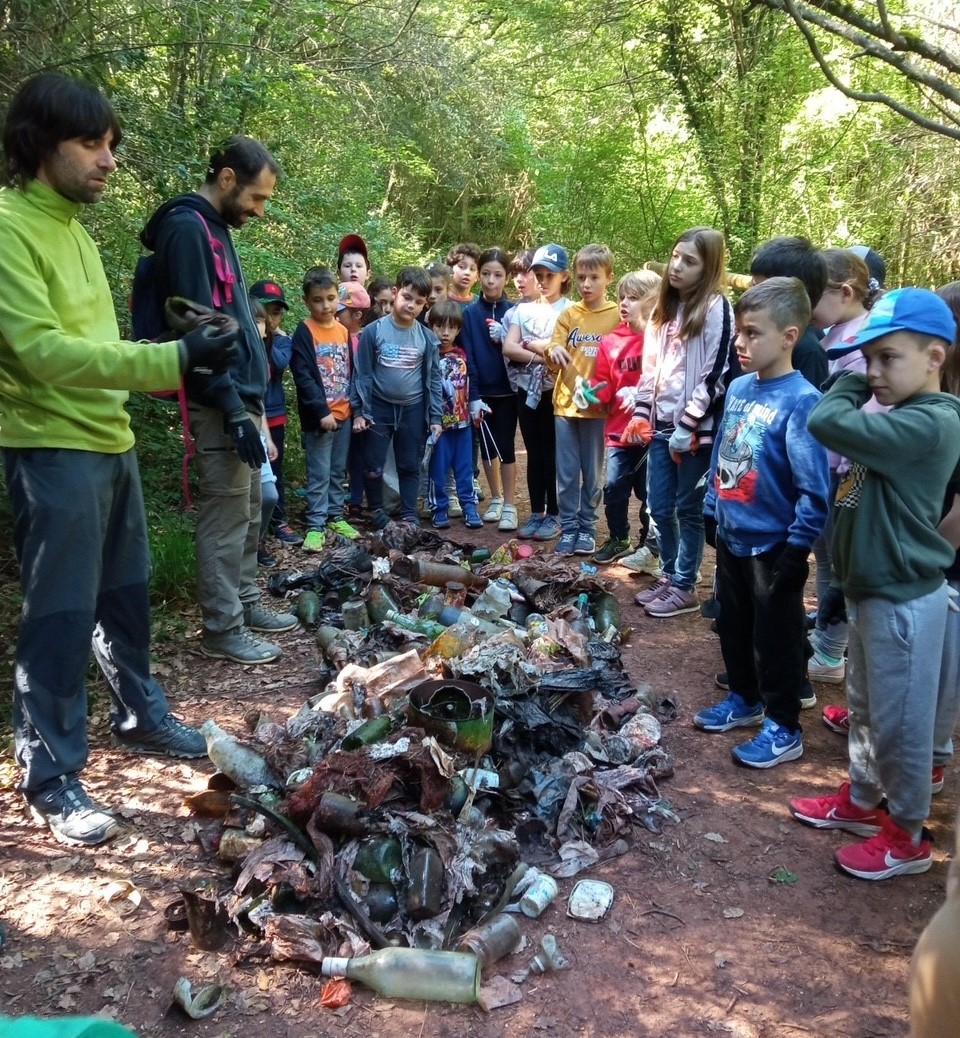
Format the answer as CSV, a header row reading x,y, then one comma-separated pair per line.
x,y
702,936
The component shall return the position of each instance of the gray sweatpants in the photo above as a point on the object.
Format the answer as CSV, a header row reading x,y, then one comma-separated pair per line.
x,y
948,697
893,672
579,472
81,540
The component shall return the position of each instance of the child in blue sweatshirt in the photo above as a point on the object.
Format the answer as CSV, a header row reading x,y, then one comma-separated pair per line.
x,y
766,504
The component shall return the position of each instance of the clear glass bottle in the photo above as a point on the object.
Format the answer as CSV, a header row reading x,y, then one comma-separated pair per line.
x,y
439,976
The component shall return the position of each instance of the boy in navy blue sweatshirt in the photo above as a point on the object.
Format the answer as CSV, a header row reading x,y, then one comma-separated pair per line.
x,y
766,505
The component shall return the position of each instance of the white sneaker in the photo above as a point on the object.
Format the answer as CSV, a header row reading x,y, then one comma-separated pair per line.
x,y
455,509
494,510
827,669
508,518
642,561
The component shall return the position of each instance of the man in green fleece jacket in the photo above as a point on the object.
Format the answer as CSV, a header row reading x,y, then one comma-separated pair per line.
x,y
889,558
71,471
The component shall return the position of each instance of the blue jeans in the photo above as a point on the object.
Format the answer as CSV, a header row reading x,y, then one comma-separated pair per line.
x,y
626,475
675,497
405,426
81,540
326,457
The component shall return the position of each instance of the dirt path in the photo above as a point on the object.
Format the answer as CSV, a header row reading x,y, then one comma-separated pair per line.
x,y
702,937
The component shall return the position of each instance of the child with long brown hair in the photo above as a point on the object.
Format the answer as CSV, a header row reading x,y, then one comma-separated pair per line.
x,y
842,309
685,361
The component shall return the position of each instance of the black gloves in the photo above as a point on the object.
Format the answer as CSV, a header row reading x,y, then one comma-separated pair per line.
x,y
791,570
246,438
832,608
208,349
710,530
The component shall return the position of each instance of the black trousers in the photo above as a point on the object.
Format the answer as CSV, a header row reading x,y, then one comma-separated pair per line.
x,y
762,634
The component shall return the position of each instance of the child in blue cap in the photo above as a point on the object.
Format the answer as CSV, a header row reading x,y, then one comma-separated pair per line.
x,y
888,560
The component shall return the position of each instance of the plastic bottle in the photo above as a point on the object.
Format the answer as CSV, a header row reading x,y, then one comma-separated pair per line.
x,y
494,602
415,623
439,976
456,640
581,622
238,762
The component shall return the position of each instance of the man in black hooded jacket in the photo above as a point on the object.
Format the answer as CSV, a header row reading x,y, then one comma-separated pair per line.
x,y
195,258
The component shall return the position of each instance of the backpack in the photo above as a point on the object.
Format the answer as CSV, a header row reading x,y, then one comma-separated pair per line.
x,y
148,322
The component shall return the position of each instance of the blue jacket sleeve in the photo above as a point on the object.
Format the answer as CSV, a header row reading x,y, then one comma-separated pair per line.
x,y
361,384
811,476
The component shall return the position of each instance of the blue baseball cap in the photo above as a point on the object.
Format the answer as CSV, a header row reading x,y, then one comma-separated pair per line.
x,y
553,257
909,310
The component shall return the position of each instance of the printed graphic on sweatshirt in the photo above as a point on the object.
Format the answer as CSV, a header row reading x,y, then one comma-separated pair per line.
x,y
405,355
454,389
745,425
587,342
333,360
851,486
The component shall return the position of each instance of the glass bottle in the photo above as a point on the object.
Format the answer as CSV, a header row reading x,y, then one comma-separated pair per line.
x,y
439,976
606,612
415,623
379,600
425,893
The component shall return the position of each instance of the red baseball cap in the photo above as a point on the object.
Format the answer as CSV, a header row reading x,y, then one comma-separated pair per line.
x,y
352,243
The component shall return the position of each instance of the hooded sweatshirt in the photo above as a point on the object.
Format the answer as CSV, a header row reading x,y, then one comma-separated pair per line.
x,y
888,506
185,267
579,330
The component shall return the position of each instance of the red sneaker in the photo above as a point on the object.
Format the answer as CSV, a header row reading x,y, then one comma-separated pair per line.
x,y
838,811
936,778
891,852
837,719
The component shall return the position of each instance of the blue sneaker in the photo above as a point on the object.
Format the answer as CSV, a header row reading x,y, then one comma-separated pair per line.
x,y
771,746
530,527
441,519
472,517
549,528
567,545
732,712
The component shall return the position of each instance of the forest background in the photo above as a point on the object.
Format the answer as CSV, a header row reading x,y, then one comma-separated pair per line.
x,y
418,123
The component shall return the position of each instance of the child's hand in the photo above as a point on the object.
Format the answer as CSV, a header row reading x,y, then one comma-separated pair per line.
x,y
585,393
559,356
494,330
682,441
328,423
638,430
477,410
361,424
627,396
436,431
791,569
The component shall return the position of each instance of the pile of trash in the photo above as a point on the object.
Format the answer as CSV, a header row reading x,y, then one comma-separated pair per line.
x,y
474,738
